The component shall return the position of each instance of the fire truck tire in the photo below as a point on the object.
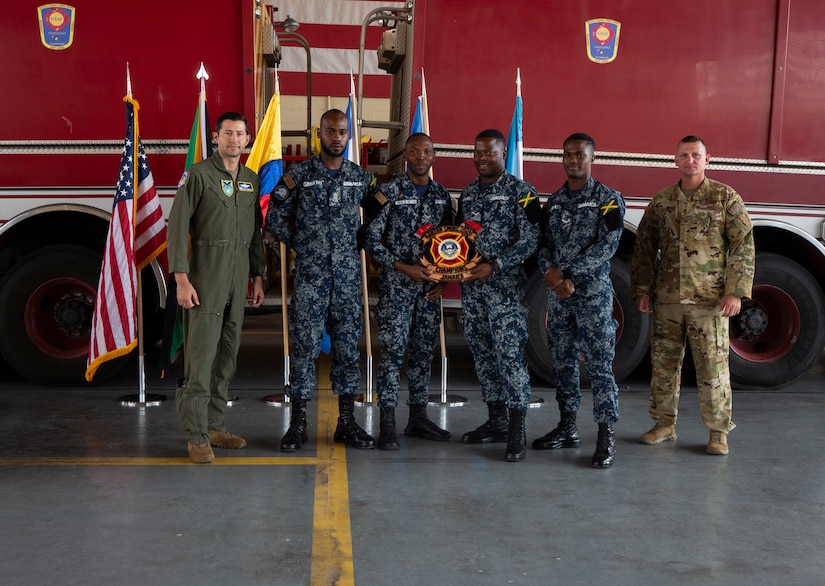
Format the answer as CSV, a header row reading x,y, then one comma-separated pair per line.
x,y
788,311
46,307
633,334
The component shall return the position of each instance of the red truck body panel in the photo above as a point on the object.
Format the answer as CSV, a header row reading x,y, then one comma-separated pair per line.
x,y
704,68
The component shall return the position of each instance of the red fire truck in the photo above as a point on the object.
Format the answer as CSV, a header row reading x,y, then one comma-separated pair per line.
x,y
741,74
638,76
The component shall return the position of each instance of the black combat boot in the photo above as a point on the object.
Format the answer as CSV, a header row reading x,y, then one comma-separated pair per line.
x,y
605,447
566,435
297,432
420,425
387,440
348,432
492,430
516,436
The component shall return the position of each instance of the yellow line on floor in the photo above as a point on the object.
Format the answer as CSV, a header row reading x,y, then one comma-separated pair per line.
x,y
331,528
234,461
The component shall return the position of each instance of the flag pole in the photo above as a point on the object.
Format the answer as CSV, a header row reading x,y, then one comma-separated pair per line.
x,y
284,311
443,399
515,163
355,156
278,399
140,400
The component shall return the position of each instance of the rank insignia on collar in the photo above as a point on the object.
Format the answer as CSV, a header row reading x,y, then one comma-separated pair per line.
x,y
227,187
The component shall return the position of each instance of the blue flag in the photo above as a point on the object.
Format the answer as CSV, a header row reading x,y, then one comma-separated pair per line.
x,y
515,145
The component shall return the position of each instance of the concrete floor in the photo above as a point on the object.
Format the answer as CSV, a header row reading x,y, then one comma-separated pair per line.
x,y
97,493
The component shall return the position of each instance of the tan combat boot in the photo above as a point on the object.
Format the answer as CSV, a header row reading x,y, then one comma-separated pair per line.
x,y
225,440
718,443
201,453
661,432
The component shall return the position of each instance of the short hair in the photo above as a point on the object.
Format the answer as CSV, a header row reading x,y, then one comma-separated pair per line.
x,y
333,112
234,117
581,136
417,135
693,138
494,134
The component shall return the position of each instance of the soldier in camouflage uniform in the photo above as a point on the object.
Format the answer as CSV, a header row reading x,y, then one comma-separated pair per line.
x,y
692,266
408,305
493,309
314,209
581,229
214,242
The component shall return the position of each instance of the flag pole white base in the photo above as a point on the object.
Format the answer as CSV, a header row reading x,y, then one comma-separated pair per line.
x,y
444,399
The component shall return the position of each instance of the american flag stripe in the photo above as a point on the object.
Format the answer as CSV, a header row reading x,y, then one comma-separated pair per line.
x,y
137,232
150,227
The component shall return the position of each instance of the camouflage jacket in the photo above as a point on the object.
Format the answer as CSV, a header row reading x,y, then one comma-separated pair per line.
x,y
316,214
391,235
509,212
581,234
704,244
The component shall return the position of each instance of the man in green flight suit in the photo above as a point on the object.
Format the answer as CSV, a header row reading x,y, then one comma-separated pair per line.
x,y
217,206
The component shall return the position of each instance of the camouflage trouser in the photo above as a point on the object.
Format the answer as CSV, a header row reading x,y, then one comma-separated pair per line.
x,y
494,317
407,323
321,299
584,325
707,332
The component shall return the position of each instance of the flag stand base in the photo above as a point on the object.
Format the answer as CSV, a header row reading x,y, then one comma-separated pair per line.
x,y
366,399
446,400
276,399
138,401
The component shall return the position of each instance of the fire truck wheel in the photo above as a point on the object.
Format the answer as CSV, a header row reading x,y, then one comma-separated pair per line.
x,y
780,334
632,335
46,306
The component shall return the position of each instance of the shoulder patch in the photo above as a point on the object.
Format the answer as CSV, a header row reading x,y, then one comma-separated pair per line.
x,y
280,192
611,214
372,203
532,206
183,178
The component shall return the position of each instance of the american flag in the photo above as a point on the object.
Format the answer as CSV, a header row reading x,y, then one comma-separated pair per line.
x,y
137,234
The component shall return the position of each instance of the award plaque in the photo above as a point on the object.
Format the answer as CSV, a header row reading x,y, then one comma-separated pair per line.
x,y
449,251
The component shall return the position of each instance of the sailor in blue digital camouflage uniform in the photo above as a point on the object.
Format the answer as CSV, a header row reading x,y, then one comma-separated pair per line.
x,y
314,209
581,228
408,304
493,310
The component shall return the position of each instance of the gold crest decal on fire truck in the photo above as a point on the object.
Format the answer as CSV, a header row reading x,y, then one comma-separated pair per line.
x,y
56,25
602,39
